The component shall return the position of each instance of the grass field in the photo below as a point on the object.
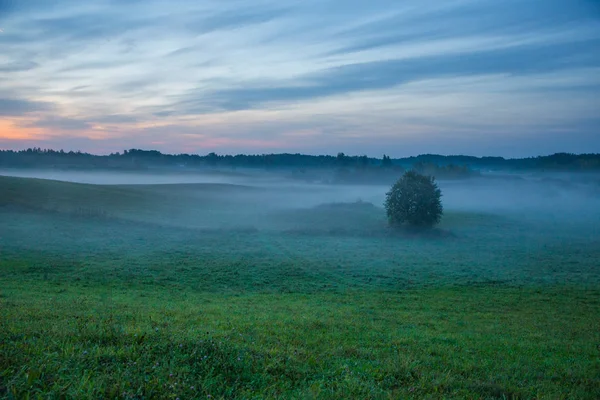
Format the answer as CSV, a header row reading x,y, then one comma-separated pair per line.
x,y
231,291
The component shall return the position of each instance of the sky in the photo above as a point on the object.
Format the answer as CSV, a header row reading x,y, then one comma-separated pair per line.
x,y
510,78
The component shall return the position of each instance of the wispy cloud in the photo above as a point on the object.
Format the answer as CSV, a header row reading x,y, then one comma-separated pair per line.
x,y
18,66
60,123
17,107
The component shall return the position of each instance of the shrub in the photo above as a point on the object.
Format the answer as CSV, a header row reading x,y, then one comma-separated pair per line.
x,y
414,200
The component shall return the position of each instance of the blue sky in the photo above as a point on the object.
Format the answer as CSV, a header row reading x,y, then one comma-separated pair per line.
x,y
509,78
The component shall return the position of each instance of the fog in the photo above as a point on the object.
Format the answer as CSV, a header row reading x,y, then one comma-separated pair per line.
x,y
495,227
502,193
129,178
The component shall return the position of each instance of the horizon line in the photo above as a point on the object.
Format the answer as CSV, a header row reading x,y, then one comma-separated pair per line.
x,y
121,153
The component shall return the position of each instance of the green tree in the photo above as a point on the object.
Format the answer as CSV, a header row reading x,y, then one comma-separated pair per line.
x,y
363,161
386,162
414,200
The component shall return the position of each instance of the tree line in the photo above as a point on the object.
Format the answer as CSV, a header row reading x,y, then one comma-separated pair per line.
x,y
431,164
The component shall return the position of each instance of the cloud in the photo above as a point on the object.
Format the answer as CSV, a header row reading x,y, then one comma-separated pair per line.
x,y
518,60
89,25
460,19
55,123
115,119
162,114
260,71
235,18
60,123
18,107
17,66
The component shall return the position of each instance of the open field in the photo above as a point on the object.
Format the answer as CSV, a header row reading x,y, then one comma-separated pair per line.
x,y
271,289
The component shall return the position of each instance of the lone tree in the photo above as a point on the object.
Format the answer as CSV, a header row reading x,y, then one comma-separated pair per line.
x,y
415,200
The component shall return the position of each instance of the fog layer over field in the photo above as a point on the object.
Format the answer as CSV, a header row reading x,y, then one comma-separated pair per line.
x,y
555,193
508,228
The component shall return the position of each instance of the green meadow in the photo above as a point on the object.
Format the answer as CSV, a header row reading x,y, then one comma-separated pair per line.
x,y
214,290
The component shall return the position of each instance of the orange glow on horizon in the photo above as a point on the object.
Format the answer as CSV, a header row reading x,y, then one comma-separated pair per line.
x,y
9,130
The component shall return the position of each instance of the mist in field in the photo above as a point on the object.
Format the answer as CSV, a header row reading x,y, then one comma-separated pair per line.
x,y
512,228
544,193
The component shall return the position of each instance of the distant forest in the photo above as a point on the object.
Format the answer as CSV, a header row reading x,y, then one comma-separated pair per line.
x,y
136,159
